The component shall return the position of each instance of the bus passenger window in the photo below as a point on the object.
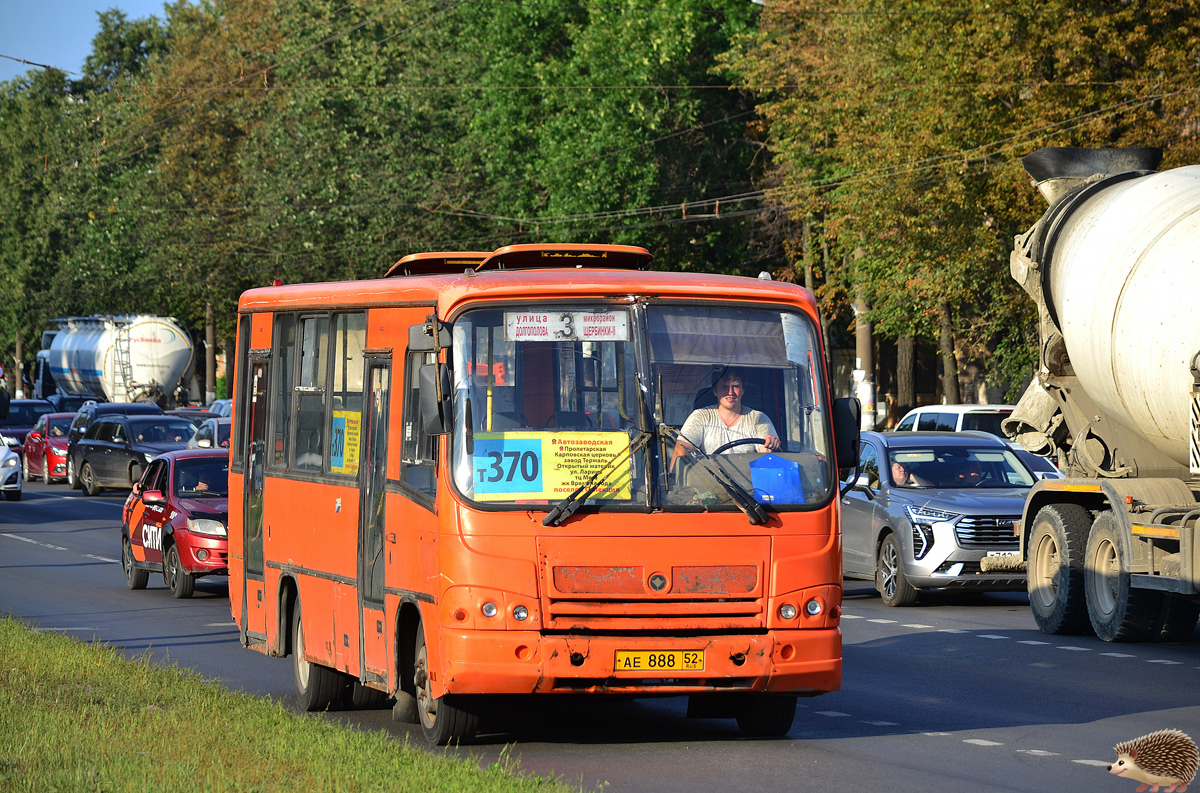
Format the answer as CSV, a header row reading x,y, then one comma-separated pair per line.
x,y
418,449
346,414
310,393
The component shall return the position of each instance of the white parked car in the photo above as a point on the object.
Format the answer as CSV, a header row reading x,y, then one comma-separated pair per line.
x,y
10,471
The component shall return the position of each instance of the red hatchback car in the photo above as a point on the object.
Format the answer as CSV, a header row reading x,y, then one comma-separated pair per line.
x,y
175,520
46,447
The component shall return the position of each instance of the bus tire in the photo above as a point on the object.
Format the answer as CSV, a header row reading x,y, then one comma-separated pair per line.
x,y
1055,577
1119,613
317,686
134,578
766,715
443,719
179,581
362,697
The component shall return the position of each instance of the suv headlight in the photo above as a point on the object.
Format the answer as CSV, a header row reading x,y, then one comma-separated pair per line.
x,y
924,520
213,528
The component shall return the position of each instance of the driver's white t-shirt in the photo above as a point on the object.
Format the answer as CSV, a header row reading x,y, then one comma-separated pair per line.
x,y
706,429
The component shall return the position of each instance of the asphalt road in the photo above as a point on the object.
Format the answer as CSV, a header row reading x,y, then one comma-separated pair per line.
x,y
959,693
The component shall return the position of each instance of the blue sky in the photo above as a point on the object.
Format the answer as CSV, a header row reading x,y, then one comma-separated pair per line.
x,y
57,32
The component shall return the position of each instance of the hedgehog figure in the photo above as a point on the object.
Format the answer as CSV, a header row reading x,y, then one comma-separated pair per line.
x,y
1166,757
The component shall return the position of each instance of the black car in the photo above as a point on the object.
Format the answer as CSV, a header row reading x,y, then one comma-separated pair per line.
x,y
69,403
117,449
22,415
89,413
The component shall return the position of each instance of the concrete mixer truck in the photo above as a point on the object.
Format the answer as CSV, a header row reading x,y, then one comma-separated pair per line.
x,y
1112,266
118,358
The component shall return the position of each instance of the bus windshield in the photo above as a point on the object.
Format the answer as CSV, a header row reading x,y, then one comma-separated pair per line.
x,y
551,400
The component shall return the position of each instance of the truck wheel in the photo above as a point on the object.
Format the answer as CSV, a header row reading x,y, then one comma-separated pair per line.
x,y
447,718
766,715
1055,579
890,580
1119,613
1177,620
318,686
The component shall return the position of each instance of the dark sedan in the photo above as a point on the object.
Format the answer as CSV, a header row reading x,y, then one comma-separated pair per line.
x,y
927,507
175,521
116,450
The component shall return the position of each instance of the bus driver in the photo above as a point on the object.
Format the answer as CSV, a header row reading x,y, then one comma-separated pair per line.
x,y
711,428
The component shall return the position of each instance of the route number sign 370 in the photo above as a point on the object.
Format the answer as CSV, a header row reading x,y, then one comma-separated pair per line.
x,y
536,466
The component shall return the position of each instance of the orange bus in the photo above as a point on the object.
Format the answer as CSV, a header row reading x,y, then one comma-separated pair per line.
x,y
463,480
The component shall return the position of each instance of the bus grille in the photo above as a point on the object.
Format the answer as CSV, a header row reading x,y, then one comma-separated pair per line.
x,y
626,615
986,532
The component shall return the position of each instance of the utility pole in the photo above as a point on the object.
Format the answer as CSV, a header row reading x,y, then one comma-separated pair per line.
x,y
864,347
210,356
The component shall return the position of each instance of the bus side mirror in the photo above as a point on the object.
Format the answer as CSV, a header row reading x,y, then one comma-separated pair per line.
x,y
847,423
435,413
420,337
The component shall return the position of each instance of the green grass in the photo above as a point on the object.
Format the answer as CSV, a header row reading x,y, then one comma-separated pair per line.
x,y
80,717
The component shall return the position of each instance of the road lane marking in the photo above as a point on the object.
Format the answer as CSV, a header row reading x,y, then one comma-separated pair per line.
x,y
1031,642
1104,763
1119,655
1164,661
1074,649
833,713
884,622
981,742
848,616
991,636
221,625
1038,752
916,625
882,723
951,630
34,542
102,558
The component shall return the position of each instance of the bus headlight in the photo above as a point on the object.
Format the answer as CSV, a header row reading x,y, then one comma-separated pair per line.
x,y
213,528
813,607
520,613
489,609
787,612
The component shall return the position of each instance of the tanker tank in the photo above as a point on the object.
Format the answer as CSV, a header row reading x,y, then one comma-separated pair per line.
x,y
1112,266
121,358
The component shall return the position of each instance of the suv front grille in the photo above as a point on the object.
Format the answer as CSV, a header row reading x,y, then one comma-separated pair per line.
x,y
986,532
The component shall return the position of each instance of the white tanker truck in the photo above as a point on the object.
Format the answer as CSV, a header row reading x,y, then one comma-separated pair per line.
x,y
119,358
1112,266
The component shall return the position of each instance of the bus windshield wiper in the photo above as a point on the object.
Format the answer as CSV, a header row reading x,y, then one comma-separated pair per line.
x,y
566,508
755,512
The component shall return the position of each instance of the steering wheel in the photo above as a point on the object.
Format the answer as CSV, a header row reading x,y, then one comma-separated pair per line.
x,y
739,442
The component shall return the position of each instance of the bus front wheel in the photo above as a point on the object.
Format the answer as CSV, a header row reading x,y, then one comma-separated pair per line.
x,y
317,686
444,719
766,715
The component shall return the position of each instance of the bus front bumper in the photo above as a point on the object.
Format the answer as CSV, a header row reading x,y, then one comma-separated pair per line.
x,y
804,662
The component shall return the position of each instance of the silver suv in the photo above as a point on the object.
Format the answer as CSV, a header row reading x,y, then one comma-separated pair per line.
x,y
927,507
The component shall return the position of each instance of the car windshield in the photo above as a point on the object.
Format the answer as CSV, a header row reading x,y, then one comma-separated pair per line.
x,y
957,467
27,415
202,477
160,430
58,427
547,398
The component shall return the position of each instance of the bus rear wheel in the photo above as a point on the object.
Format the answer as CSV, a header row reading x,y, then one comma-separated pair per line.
x,y
317,686
443,719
